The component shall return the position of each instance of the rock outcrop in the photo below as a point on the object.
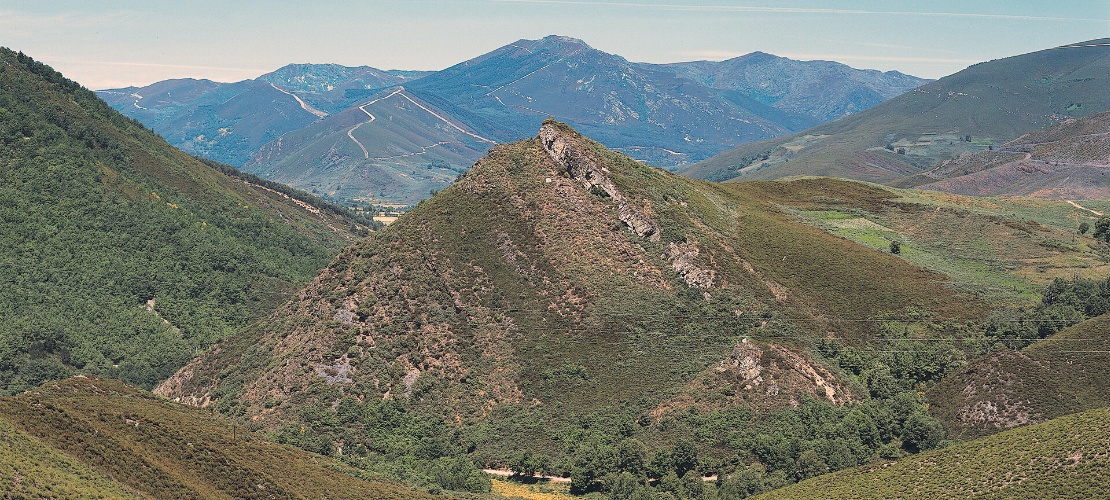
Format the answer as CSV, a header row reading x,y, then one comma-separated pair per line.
x,y
583,167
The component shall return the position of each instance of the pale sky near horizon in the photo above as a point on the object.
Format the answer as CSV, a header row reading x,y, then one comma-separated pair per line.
x,y
105,44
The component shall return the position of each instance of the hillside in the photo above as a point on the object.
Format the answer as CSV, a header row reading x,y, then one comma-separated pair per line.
x,y
96,438
1065,373
394,148
228,122
560,294
987,104
1066,161
1062,458
123,256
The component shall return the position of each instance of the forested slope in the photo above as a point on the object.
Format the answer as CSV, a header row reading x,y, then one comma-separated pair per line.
x,y
122,256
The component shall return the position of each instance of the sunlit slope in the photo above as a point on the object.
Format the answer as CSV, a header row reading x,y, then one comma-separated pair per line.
x,y
1062,458
160,449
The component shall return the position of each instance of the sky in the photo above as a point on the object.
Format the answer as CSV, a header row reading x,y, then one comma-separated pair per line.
x,y
109,44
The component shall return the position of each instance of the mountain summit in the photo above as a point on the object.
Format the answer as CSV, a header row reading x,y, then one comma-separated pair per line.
x,y
559,278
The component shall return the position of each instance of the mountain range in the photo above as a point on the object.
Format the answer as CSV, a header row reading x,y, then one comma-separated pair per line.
x,y
976,109
298,125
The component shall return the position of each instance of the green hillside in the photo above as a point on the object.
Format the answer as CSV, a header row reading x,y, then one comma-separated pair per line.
x,y
96,438
31,469
1062,458
122,256
1003,250
984,105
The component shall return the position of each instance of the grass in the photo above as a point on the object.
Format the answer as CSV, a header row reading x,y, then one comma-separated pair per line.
x,y
31,469
1003,250
166,450
537,491
1062,458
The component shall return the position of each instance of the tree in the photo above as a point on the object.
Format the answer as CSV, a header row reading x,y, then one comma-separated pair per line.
x,y
895,247
524,464
684,456
1102,229
809,464
922,432
1084,227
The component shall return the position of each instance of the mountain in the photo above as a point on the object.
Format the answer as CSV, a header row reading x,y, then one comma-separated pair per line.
x,y
980,107
87,437
228,122
1061,458
1068,160
123,256
394,148
648,113
561,293
822,90
668,115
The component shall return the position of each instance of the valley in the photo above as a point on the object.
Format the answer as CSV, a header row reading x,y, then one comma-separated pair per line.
x,y
550,272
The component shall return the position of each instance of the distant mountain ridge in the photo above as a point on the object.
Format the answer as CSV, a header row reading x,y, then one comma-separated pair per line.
x,y
668,115
823,90
228,122
985,105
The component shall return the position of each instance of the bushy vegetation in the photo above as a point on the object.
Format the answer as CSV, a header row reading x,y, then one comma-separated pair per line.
x,y
1065,302
387,439
1061,458
119,255
31,469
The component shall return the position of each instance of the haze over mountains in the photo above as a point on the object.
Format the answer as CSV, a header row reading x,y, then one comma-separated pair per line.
x,y
667,115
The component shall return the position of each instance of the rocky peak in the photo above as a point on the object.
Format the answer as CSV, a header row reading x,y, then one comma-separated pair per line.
x,y
563,147
563,42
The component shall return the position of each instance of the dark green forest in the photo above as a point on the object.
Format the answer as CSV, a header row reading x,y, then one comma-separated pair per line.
x,y
119,255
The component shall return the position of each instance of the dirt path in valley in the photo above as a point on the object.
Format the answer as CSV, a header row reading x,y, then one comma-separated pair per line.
x,y
1081,207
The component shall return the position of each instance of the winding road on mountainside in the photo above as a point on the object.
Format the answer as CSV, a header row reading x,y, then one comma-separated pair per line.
x,y
401,91
304,105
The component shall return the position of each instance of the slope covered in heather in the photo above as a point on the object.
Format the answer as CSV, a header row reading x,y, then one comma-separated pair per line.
x,y
88,437
1062,458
